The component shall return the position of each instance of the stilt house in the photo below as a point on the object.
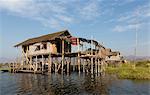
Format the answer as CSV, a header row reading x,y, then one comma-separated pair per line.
x,y
52,52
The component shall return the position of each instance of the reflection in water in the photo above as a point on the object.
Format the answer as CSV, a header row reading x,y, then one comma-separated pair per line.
x,y
74,84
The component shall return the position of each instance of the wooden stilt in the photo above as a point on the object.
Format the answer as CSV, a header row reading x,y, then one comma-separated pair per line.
x,y
74,63
79,62
92,65
62,68
49,63
42,63
30,62
22,59
78,55
68,65
56,65
101,66
13,68
98,65
84,60
36,65
88,65
91,57
58,68
86,69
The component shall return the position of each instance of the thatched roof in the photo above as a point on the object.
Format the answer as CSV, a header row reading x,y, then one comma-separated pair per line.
x,y
43,38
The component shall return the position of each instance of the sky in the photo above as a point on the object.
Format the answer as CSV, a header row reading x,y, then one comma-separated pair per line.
x,y
111,22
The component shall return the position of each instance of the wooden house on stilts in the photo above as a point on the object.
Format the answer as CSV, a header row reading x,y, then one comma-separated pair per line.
x,y
54,53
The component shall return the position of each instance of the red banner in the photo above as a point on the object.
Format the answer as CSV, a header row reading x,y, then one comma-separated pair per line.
x,y
73,40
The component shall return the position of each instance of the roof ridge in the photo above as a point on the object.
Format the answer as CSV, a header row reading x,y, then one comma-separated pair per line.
x,y
49,34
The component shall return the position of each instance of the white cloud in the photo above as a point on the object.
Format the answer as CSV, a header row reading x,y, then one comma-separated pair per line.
x,y
123,28
139,14
64,18
16,6
90,10
133,19
119,28
122,2
52,13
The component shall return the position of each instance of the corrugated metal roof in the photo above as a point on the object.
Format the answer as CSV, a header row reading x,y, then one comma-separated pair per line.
x,y
47,37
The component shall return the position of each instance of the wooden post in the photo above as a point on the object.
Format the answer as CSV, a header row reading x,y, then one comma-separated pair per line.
x,y
49,63
84,60
62,68
99,66
96,57
88,64
30,62
26,64
55,65
92,65
22,58
74,63
68,65
95,61
78,42
91,57
42,63
27,59
103,65
13,68
36,66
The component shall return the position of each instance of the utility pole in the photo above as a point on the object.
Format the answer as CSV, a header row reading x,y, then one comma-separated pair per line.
x,y
135,50
136,40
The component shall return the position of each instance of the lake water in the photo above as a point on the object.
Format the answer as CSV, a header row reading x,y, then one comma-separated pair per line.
x,y
73,84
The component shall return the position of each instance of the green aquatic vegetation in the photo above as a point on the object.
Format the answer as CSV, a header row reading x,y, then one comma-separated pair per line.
x,y
126,71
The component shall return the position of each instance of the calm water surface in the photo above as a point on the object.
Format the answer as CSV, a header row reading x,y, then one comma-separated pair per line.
x,y
73,84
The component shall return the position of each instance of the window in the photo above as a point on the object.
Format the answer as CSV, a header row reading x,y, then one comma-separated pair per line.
x,y
44,46
37,48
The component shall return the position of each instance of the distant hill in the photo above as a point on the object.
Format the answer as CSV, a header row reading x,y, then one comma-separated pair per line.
x,y
5,60
132,57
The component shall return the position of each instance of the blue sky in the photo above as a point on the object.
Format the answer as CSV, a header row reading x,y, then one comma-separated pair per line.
x,y
111,22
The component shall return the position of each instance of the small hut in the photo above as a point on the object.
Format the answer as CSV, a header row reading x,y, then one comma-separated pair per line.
x,y
46,44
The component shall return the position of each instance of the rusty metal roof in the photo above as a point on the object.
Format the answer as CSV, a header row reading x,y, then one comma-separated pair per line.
x,y
43,38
